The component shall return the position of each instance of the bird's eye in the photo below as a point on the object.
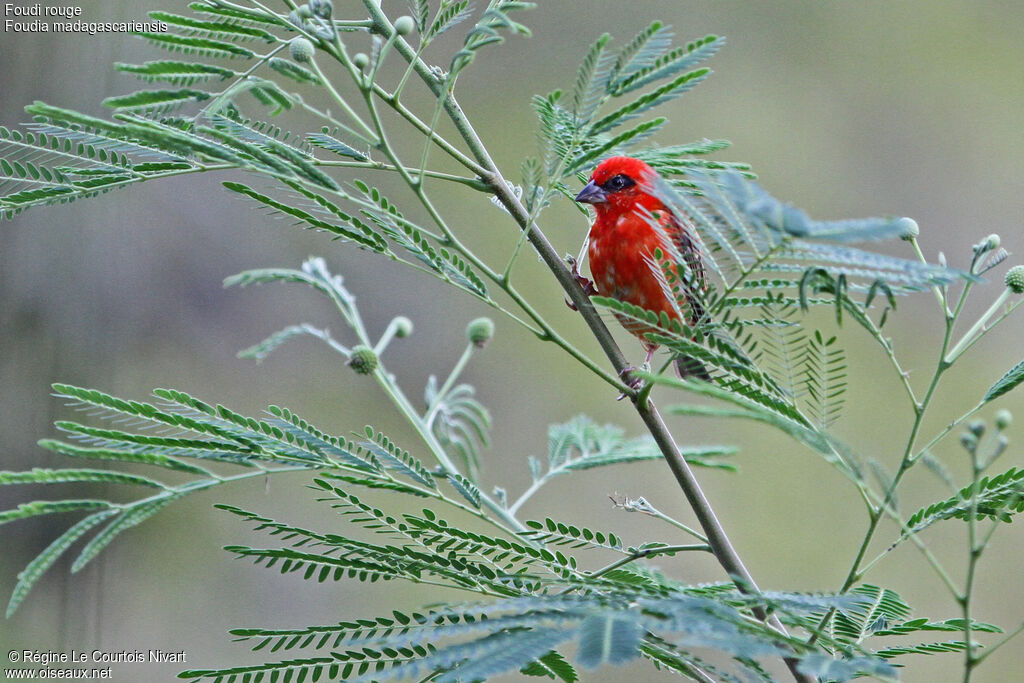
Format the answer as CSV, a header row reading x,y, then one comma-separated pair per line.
x,y
619,182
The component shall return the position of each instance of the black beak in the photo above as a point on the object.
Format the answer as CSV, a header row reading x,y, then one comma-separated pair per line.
x,y
592,194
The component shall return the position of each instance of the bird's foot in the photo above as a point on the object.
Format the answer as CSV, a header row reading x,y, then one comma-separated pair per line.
x,y
628,375
586,283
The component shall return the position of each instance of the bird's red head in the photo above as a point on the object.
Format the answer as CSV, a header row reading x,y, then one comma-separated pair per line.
x,y
619,184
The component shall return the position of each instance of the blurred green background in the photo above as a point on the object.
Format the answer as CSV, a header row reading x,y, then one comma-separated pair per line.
x,y
847,109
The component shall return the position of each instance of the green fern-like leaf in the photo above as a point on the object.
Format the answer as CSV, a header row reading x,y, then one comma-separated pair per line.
x,y
510,558
394,458
460,422
1006,383
758,236
152,458
495,20
49,507
783,342
227,30
605,639
175,72
648,101
331,143
640,54
296,72
48,476
996,498
465,487
71,156
878,609
312,667
359,235
190,45
552,665
557,533
264,348
451,13
345,452
420,12
131,516
669,64
923,624
443,263
240,15
823,379
592,79
28,577
745,408
605,146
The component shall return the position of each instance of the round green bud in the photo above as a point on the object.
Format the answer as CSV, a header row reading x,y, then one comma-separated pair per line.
x,y
976,427
403,326
301,49
404,25
992,242
908,228
1003,419
321,8
304,12
360,60
968,441
363,360
480,331
1015,279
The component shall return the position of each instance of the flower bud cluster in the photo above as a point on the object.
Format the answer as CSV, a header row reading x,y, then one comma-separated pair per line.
x,y
363,360
480,331
1015,279
314,17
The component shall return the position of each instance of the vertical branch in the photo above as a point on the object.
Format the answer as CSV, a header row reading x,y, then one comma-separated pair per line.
x,y
722,548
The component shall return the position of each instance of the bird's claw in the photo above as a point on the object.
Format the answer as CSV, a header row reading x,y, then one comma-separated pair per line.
x,y
586,283
628,375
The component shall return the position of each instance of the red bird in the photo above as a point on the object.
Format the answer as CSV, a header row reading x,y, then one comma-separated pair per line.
x,y
631,223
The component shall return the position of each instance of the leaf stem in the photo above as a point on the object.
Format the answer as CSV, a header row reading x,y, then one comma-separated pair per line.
x,y
988,651
648,552
371,137
939,292
948,428
679,525
431,413
381,166
907,461
980,328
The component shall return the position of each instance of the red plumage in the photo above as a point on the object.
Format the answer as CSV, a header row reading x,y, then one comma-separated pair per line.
x,y
632,222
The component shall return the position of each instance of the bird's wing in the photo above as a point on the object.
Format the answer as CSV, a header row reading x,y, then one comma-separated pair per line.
x,y
689,251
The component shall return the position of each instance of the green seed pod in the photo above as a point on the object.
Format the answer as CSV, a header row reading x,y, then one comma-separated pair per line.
x,y
404,25
403,327
1003,419
908,228
480,331
321,8
1015,279
301,49
976,427
363,360
360,60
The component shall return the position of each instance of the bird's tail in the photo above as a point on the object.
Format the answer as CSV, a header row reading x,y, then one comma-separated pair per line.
x,y
688,366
